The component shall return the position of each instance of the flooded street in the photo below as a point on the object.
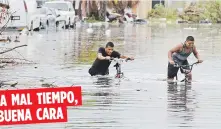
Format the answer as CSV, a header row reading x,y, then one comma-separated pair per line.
x,y
142,99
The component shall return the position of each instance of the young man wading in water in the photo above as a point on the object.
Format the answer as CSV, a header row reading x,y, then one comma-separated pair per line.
x,y
179,55
102,62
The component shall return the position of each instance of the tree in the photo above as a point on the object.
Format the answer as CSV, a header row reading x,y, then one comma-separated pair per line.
x,y
102,10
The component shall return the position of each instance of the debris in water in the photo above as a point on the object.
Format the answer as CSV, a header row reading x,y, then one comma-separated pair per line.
x,y
47,85
10,83
16,39
1,84
13,85
4,38
24,32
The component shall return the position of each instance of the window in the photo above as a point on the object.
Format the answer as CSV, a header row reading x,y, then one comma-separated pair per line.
x,y
58,6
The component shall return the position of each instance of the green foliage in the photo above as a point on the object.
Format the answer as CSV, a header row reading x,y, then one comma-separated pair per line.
x,y
210,10
92,19
160,11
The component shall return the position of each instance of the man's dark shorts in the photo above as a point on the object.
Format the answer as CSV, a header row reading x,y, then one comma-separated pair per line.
x,y
172,71
94,72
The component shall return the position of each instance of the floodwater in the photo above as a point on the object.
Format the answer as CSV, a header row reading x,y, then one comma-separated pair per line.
x,y
142,99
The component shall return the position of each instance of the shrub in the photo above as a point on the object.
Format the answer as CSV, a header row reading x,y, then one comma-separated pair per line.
x,y
210,10
160,11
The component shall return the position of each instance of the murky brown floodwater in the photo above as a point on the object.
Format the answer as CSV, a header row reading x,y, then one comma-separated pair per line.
x,y
139,101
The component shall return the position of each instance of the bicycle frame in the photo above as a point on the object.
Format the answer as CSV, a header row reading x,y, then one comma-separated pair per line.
x,y
119,73
185,71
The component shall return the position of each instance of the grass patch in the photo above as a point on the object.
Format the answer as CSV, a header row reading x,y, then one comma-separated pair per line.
x,y
160,11
92,20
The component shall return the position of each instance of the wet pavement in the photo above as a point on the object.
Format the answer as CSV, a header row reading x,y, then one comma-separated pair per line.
x,y
142,99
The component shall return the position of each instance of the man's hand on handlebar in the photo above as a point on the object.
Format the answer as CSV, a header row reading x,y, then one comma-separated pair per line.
x,y
200,61
107,58
129,58
126,59
172,62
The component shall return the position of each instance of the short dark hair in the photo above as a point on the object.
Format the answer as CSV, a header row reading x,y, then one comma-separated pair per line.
x,y
190,38
110,44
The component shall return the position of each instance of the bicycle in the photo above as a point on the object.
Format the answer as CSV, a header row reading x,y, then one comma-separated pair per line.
x,y
185,71
119,73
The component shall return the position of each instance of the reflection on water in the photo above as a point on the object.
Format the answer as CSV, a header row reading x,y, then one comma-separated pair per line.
x,y
181,105
104,81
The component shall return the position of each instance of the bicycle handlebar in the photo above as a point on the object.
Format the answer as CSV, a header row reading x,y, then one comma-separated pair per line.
x,y
183,67
119,59
177,65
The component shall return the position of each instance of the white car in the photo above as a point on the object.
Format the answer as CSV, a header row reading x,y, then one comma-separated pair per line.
x,y
48,17
66,11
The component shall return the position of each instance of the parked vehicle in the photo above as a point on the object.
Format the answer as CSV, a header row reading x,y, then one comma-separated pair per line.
x,y
23,15
48,17
66,10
